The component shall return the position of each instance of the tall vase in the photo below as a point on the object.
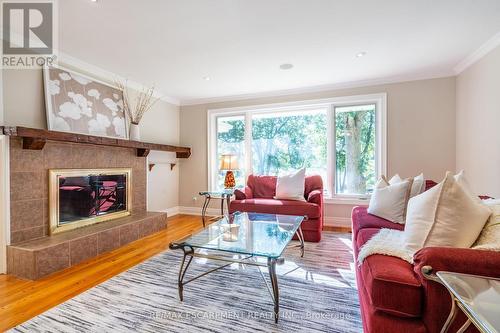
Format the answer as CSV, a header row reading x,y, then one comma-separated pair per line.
x,y
135,134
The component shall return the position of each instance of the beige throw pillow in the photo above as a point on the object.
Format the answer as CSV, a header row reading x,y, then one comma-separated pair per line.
x,y
445,215
489,239
417,187
462,180
389,201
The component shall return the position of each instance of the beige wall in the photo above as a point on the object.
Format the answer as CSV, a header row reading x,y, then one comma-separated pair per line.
x,y
24,105
161,125
420,127
478,124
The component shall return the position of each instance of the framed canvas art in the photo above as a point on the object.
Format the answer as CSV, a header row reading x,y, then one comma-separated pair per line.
x,y
76,103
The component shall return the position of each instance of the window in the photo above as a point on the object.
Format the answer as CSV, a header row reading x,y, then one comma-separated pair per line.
x,y
287,141
231,141
341,139
355,145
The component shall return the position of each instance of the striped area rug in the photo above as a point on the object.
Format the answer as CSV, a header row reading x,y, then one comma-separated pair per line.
x,y
317,294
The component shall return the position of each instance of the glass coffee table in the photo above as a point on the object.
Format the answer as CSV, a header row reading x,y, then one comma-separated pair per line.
x,y
250,236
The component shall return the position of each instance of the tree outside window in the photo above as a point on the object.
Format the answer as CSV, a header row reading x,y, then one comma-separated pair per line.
x,y
355,149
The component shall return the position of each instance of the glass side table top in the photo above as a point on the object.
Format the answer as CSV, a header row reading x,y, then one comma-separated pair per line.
x,y
265,235
480,296
218,194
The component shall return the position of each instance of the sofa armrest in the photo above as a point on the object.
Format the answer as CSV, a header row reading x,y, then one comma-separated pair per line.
x,y
459,260
247,194
316,197
240,195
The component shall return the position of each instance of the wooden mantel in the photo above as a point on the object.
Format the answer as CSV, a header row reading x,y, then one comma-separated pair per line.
x,y
35,139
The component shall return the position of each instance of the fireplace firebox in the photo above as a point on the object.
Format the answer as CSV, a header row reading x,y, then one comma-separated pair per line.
x,y
81,197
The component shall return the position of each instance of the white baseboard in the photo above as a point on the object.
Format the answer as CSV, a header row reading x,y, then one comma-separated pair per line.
x,y
173,211
197,211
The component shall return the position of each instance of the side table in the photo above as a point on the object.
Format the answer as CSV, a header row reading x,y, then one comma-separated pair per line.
x,y
477,296
223,196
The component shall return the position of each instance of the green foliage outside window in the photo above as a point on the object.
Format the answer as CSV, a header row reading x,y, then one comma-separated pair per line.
x,y
290,141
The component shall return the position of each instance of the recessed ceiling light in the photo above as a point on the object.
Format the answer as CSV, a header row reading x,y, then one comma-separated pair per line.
x,y
286,66
93,0
206,78
361,54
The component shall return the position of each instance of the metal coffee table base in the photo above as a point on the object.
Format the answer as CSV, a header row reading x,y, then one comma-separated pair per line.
x,y
251,260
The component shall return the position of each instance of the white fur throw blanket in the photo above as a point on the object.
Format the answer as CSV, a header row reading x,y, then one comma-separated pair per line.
x,y
388,242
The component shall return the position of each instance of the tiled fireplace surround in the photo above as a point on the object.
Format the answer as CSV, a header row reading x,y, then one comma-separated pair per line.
x,y
33,253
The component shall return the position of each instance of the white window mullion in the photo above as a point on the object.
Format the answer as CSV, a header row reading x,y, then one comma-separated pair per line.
x,y
212,150
330,147
248,144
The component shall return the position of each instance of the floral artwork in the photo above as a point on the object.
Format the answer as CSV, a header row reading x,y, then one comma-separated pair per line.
x,y
78,104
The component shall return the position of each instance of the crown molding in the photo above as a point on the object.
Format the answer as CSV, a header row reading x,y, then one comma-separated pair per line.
x,y
477,55
99,73
320,88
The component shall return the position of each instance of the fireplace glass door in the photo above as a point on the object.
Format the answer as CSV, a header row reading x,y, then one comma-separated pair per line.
x,y
85,197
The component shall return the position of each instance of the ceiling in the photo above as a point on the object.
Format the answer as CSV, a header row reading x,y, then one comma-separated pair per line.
x,y
240,44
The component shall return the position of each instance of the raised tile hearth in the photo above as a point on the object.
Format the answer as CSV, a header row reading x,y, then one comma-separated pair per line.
x,y
41,257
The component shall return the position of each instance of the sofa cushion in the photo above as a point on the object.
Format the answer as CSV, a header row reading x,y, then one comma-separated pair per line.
x,y
390,282
361,220
273,206
262,186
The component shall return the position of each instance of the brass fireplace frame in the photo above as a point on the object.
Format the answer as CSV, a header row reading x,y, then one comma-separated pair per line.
x,y
55,174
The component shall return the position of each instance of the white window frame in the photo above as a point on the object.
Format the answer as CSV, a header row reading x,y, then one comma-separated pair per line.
x,y
380,101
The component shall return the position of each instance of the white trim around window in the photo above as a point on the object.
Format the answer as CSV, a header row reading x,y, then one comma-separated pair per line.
x,y
380,100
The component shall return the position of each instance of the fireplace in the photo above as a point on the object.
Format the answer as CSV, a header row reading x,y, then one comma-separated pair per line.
x,y
81,197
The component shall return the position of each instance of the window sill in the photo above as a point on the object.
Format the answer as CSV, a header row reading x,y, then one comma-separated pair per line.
x,y
346,201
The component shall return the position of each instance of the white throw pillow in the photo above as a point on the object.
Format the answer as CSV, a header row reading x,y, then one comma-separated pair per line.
x,y
390,201
445,215
489,239
462,180
291,187
417,187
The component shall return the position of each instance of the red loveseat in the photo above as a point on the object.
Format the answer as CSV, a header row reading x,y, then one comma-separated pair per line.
x,y
395,296
258,197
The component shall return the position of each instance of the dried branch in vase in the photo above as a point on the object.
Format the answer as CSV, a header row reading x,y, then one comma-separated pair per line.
x,y
144,101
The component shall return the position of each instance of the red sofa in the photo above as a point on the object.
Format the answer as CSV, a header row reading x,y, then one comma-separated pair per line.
x,y
258,197
395,296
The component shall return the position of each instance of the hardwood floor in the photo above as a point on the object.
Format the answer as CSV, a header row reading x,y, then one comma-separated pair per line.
x,y
21,300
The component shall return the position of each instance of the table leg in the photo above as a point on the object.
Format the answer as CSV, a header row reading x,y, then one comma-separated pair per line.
x,y
464,327
451,316
204,209
300,236
228,203
271,264
222,206
183,270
